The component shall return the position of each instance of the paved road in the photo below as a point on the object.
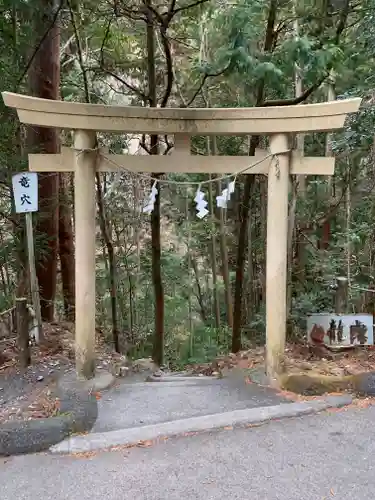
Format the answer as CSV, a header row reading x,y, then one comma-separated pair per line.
x,y
326,456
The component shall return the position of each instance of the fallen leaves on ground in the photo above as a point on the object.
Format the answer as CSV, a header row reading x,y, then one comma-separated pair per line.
x,y
244,359
145,444
84,454
250,426
40,403
299,358
48,361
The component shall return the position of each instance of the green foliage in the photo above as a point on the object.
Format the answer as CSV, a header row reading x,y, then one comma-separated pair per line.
x,y
225,39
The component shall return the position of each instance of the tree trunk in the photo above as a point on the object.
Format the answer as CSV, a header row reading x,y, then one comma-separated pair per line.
x,y
213,248
348,226
262,228
18,220
241,254
158,345
214,271
137,241
190,285
66,249
22,261
200,298
250,272
244,212
5,269
225,267
290,243
44,82
112,266
331,96
326,232
104,226
299,187
23,343
224,252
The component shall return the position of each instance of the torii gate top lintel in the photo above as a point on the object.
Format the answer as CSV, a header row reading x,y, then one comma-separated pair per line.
x,y
325,116
84,161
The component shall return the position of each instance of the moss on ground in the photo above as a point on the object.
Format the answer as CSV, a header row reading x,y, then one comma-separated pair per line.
x,y
316,384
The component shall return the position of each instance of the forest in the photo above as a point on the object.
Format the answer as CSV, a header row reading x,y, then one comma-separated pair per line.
x,y
170,285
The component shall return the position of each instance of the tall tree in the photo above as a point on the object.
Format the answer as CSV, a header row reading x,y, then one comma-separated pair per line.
x,y
321,44
66,247
158,344
44,82
269,42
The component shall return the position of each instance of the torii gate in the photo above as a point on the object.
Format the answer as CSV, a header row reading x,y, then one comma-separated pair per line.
x,y
276,122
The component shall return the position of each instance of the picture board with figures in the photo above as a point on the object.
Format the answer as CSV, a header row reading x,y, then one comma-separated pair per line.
x,y
339,330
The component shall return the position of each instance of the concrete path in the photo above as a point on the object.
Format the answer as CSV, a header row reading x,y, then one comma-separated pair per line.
x,y
324,456
137,404
134,412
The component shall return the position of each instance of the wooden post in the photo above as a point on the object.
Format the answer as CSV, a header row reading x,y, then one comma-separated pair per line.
x,y
22,322
85,229
276,273
34,287
341,296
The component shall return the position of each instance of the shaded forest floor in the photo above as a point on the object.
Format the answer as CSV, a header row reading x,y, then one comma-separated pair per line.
x,y
299,358
26,394
30,393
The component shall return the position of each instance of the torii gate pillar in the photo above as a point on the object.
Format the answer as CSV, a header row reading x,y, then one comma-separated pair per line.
x,y
276,255
85,236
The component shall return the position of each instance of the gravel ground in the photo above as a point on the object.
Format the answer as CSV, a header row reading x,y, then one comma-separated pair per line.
x,y
19,390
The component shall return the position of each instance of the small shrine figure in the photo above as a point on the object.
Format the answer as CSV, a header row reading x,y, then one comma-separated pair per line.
x,y
340,332
331,332
358,333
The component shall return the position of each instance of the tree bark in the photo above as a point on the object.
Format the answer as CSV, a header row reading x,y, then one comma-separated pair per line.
x,y
290,243
250,294
244,212
111,260
213,248
158,344
137,241
104,226
224,251
200,297
298,186
44,82
23,344
66,249
241,255
326,232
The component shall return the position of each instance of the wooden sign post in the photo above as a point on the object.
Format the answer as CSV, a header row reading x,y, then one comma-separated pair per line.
x,y
276,122
25,192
